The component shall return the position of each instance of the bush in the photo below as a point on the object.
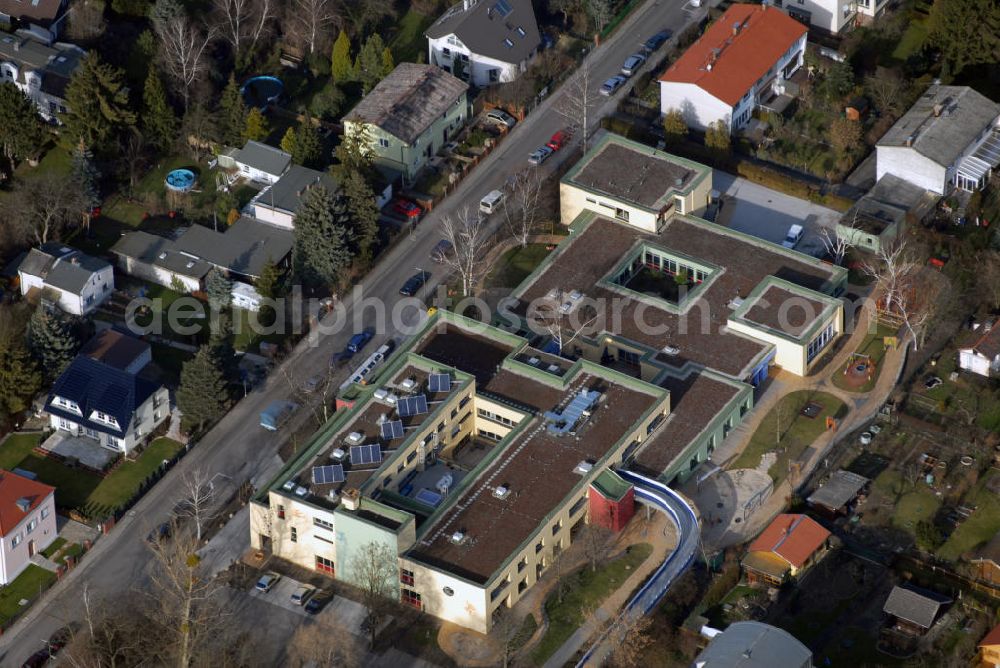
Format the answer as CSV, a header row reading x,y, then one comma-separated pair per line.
x,y
622,127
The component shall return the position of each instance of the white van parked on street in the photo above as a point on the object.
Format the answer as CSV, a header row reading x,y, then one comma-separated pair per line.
x,y
490,202
793,237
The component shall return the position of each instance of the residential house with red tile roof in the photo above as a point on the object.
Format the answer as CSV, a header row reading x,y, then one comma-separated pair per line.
x,y
27,522
989,649
747,54
785,549
983,357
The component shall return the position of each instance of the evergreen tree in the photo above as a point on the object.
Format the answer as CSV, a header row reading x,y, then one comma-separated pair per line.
x,y
219,289
52,342
268,284
86,176
364,212
21,130
307,146
201,396
341,65
288,142
368,68
322,248
458,68
388,65
220,342
98,105
20,378
158,120
233,112
256,126
966,32
353,155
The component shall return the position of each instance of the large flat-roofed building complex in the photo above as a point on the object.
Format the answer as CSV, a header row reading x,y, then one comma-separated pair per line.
x,y
480,451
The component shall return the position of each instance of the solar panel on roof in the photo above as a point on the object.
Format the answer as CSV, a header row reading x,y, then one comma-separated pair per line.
x,y
439,382
331,473
409,406
391,429
366,454
502,7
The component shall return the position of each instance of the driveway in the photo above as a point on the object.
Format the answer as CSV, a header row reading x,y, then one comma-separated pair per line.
x,y
762,212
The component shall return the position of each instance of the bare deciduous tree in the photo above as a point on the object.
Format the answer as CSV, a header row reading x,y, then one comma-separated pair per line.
x,y
520,205
198,501
506,631
324,388
182,45
989,274
600,11
628,639
362,14
310,23
547,318
470,240
235,19
324,643
374,570
578,96
264,13
86,20
886,89
595,541
903,289
837,244
42,207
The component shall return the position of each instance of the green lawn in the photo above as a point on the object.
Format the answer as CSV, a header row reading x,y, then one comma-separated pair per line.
x,y
244,338
981,526
123,484
409,42
912,40
586,592
797,432
15,448
170,360
516,264
874,347
72,550
27,585
53,548
911,503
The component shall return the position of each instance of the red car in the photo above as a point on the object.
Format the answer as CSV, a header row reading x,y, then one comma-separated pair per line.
x,y
558,140
406,208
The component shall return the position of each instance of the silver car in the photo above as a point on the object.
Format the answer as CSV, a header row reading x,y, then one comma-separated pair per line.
x,y
500,117
539,155
632,64
612,85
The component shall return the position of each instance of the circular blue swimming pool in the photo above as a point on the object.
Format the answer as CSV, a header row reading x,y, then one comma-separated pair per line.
x,y
262,90
180,180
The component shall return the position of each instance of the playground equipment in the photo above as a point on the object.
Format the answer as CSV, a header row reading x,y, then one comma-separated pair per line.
x,y
180,180
860,369
260,91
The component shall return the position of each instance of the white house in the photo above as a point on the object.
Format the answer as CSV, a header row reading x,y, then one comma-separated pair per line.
x,y
67,278
115,408
27,522
258,162
39,69
278,203
746,55
950,137
829,15
484,41
983,357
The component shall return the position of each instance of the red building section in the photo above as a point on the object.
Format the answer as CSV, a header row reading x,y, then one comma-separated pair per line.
x,y
611,501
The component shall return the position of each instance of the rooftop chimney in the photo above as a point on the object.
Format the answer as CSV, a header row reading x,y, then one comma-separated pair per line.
x,y
938,108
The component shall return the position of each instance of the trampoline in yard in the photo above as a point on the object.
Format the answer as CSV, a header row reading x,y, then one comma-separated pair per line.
x,y
262,90
180,180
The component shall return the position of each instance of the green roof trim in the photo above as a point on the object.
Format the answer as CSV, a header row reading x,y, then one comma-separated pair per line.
x,y
610,485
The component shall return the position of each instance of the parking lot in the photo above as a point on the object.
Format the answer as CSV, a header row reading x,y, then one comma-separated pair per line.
x,y
753,209
348,614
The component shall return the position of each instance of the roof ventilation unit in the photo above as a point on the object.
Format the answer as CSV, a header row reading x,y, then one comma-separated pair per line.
x,y
671,350
409,384
501,491
458,537
355,437
583,468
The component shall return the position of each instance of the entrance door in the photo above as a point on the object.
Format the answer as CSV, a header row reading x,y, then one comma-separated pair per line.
x,y
31,548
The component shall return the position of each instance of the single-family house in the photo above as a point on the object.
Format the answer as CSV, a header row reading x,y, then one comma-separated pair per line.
x,y
913,611
878,218
278,203
118,350
43,18
62,276
39,70
985,561
27,522
785,549
753,645
983,357
869,9
949,138
242,251
257,162
830,16
835,495
484,41
114,408
989,649
743,58
409,116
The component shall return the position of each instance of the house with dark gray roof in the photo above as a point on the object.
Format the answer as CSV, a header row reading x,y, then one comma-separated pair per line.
x,y
949,138
115,408
484,42
242,251
409,116
278,203
43,18
63,276
913,611
258,162
39,70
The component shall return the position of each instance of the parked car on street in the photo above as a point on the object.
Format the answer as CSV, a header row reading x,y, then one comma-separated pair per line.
x,y
406,208
612,85
354,346
656,41
632,64
491,201
441,251
414,283
559,139
267,581
539,155
500,117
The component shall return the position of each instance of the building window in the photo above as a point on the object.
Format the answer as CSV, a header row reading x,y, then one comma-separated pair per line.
x,y
295,535
522,585
406,577
323,524
499,589
494,75
324,565
464,401
578,506
410,597
520,31
45,513
522,564
817,344
489,434
15,541
621,214
448,591
539,546
490,415
556,527
31,525
384,143
410,457
446,52
281,512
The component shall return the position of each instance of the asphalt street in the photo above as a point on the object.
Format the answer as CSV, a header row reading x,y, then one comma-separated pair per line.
x,y
237,447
